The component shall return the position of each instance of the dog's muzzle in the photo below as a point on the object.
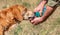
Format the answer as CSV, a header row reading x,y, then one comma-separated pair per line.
x,y
28,15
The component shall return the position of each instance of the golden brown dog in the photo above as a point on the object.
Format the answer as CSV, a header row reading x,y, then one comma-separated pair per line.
x,y
8,16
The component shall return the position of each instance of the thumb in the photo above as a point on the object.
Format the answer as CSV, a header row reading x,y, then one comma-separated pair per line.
x,y
35,10
33,21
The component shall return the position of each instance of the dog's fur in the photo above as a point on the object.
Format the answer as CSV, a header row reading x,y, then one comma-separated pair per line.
x,y
8,16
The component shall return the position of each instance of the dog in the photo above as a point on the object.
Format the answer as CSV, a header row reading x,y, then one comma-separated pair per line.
x,y
9,15
27,16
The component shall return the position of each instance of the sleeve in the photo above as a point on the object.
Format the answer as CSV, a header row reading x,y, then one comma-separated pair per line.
x,y
58,4
52,3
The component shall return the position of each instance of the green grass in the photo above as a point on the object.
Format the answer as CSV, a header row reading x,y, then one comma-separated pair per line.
x,y
26,4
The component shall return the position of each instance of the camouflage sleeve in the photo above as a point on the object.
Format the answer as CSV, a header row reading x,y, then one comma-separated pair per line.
x,y
53,2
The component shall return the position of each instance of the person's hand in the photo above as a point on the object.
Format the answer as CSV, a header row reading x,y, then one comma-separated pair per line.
x,y
37,20
36,9
39,9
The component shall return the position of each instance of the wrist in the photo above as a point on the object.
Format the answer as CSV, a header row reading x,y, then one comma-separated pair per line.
x,y
40,19
42,3
43,17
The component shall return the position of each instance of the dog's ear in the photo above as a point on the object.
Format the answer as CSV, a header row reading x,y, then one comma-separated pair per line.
x,y
22,9
10,15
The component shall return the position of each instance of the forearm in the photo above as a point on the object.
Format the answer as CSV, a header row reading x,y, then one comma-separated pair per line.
x,y
51,6
48,12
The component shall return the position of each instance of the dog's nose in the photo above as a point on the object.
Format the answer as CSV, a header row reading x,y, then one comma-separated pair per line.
x,y
31,18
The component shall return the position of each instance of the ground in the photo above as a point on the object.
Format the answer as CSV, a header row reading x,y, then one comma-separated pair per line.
x,y
50,27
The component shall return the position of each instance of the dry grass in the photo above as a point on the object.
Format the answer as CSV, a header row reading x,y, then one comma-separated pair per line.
x,y
50,27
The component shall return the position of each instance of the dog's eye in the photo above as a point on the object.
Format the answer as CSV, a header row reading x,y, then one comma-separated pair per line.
x,y
23,13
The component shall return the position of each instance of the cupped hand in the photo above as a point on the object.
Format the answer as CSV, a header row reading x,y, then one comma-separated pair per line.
x,y
37,20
